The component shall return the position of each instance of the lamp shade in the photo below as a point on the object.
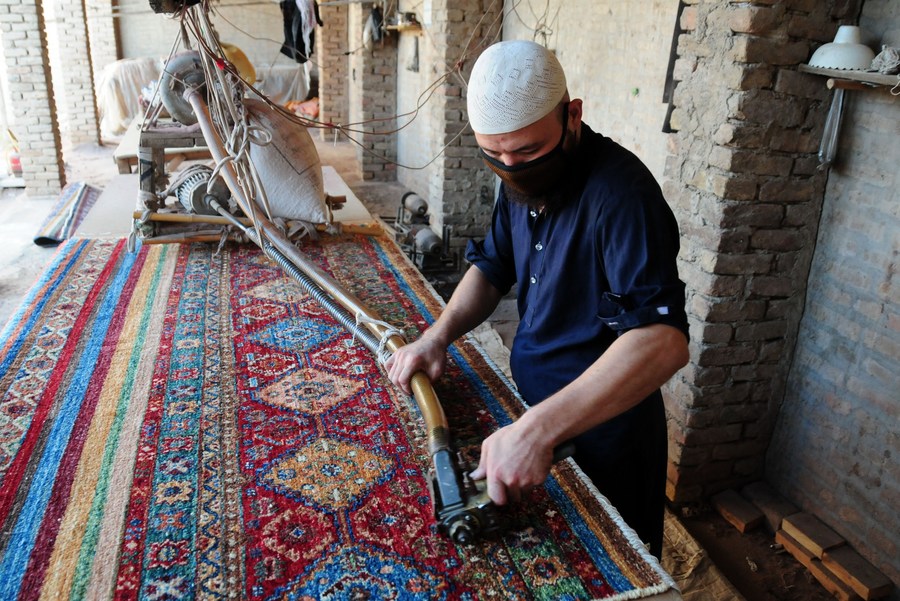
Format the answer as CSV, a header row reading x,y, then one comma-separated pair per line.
x,y
846,52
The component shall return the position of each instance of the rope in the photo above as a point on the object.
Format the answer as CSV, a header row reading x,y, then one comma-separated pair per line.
x,y
138,225
146,198
381,352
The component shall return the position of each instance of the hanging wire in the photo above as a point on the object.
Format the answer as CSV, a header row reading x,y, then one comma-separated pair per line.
x,y
216,67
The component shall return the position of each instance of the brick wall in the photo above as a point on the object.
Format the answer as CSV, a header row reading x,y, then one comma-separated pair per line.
x,y
458,187
334,66
73,84
743,183
373,98
836,446
30,88
616,64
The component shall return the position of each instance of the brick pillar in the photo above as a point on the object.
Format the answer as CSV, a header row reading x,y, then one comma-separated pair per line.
x,y
31,93
73,77
373,98
464,186
334,66
102,38
743,182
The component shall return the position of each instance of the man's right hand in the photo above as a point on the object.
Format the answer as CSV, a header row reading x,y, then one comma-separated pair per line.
x,y
425,354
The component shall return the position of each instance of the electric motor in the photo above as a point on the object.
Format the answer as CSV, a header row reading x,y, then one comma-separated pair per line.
x,y
194,193
427,241
184,70
414,203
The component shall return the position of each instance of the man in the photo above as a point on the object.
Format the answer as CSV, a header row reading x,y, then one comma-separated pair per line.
x,y
581,226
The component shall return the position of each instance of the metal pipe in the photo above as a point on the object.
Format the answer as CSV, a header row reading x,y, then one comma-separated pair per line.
x,y
437,428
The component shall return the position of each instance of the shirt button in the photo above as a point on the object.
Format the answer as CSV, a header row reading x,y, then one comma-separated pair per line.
x,y
533,280
538,246
533,213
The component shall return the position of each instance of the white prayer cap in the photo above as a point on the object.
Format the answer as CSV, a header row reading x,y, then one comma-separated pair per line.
x,y
513,84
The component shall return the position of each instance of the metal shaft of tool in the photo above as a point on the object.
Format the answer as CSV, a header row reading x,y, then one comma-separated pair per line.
x,y
274,243
338,312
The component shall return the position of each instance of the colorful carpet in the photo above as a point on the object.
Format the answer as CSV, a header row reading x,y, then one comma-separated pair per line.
x,y
74,202
179,423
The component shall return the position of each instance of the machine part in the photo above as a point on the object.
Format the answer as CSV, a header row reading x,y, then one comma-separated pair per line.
x,y
428,251
183,71
195,194
462,508
428,242
465,518
414,203
413,209
171,6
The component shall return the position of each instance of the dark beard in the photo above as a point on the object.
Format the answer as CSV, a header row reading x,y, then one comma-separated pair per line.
x,y
545,202
566,186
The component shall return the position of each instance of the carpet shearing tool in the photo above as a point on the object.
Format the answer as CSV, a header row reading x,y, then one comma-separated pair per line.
x,y
462,507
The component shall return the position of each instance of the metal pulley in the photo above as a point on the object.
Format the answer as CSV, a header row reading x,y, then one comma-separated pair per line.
x,y
196,194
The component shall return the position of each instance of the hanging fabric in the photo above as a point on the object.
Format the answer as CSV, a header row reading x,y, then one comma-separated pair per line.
x,y
300,20
372,32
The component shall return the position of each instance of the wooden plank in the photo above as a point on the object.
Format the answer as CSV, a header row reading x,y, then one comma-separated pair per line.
x,y
831,582
872,78
810,532
800,553
826,578
171,137
773,506
737,510
125,154
856,572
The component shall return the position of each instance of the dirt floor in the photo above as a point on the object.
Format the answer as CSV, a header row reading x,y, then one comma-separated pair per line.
x,y
752,562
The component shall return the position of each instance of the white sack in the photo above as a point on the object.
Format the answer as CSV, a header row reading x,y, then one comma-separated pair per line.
x,y
289,166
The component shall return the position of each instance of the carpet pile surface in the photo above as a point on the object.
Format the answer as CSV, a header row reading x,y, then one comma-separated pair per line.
x,y
184,423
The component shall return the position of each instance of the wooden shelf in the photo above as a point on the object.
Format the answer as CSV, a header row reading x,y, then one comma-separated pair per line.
x,y
864,77
413,27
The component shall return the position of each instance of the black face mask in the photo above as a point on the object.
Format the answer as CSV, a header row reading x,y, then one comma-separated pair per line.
x,y
537,177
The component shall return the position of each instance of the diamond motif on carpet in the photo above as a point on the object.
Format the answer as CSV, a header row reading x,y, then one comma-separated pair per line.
x,y
310,390
329,472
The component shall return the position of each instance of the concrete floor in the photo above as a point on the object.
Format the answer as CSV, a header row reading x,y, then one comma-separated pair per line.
x,y
22,262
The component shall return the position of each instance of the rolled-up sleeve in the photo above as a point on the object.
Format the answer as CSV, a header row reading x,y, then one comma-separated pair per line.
x,y
638,242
